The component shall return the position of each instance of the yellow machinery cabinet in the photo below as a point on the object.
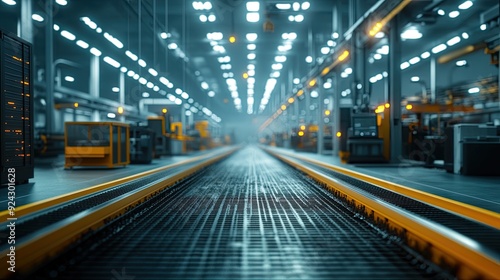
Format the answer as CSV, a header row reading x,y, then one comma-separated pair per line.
x,y
96,144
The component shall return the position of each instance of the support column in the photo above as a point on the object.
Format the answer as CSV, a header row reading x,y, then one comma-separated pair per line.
x,y
395,90
321,123
26,21
336,114
94,84
49,70
433,80
122,94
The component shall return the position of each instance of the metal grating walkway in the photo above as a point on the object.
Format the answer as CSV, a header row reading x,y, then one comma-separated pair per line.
x,y
248,217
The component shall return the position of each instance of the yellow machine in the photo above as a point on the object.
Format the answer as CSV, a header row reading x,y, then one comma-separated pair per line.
x,y
96,144
205,139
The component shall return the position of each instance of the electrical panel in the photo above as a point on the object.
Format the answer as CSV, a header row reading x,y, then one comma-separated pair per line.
x,y
16,112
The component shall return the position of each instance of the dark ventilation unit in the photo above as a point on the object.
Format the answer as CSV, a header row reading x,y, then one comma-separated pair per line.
x,y
16,112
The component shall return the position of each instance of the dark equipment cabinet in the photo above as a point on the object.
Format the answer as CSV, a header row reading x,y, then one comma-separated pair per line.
x,y
142,144
16,114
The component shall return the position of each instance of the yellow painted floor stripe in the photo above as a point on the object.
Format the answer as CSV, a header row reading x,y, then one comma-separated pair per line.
x,y
472,212
473,263
43,204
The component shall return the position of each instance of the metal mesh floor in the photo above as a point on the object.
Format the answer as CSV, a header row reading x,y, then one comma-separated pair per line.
x,y
248,217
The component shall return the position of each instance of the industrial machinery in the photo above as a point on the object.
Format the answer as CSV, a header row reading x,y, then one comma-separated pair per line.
x,y
49,145
204,133
472,149
96,144
162,142
363,143
142,144
16,113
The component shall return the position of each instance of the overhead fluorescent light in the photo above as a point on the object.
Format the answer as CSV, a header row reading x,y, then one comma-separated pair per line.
x,y
465,35
277,66
211,18
411,34
9,2
348,71
305,5
441,12
253,6
172,46
111,62
211,93
283,6
253,17
37,17
325,50
131,55
56,27
414,60
203,18
145,94
405,65
113,40
280,58
251,37
251,47
380,35
207,5
130,73
465,5
143,81
454,14
461,63
95,52
377,56
165,35
453,41
474,90
425,55
299,18
69,79
483,26
251,56
296,6
68,35
383,50
309,59
82,44
204,85
251,67
251,73
439,48
142,63
123,69
62,2
111,115
115,89
153,72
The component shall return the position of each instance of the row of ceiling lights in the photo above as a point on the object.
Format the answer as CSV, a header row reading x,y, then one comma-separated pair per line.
x,y
130,73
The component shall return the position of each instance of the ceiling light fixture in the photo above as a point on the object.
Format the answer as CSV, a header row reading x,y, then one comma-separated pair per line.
x,y
251,37
465,5
253,6
454,14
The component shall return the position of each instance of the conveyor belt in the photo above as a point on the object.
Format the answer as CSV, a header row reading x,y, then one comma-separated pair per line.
x,y
249,217
487,237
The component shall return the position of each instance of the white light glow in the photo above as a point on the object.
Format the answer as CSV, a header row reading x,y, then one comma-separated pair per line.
x,y
37,17
9,2
95,52
145,94
143,81
131,55
82,44
283,6
296,81
142,63
299,18
172,46
251,47
280,58
425,55
454,14
405,65
414,60
113,40
153,72
203,18
211,93
56,27
123,69
111,115
309,59
483,26
211,18
277,66
115,89
253,17
453,41
415,79
465,5
465,35
68,35
325,50
251,37
439,48
130,73
380,35
296,6
411,34
441,12
377,56
165,35
253,6
474,90
306,5
62,2
251,56
204,85
69,79
461,63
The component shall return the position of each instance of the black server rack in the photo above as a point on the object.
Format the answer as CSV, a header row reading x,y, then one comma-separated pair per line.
x,y
16,114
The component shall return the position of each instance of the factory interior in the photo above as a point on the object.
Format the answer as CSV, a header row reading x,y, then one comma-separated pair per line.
x,y
250,139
